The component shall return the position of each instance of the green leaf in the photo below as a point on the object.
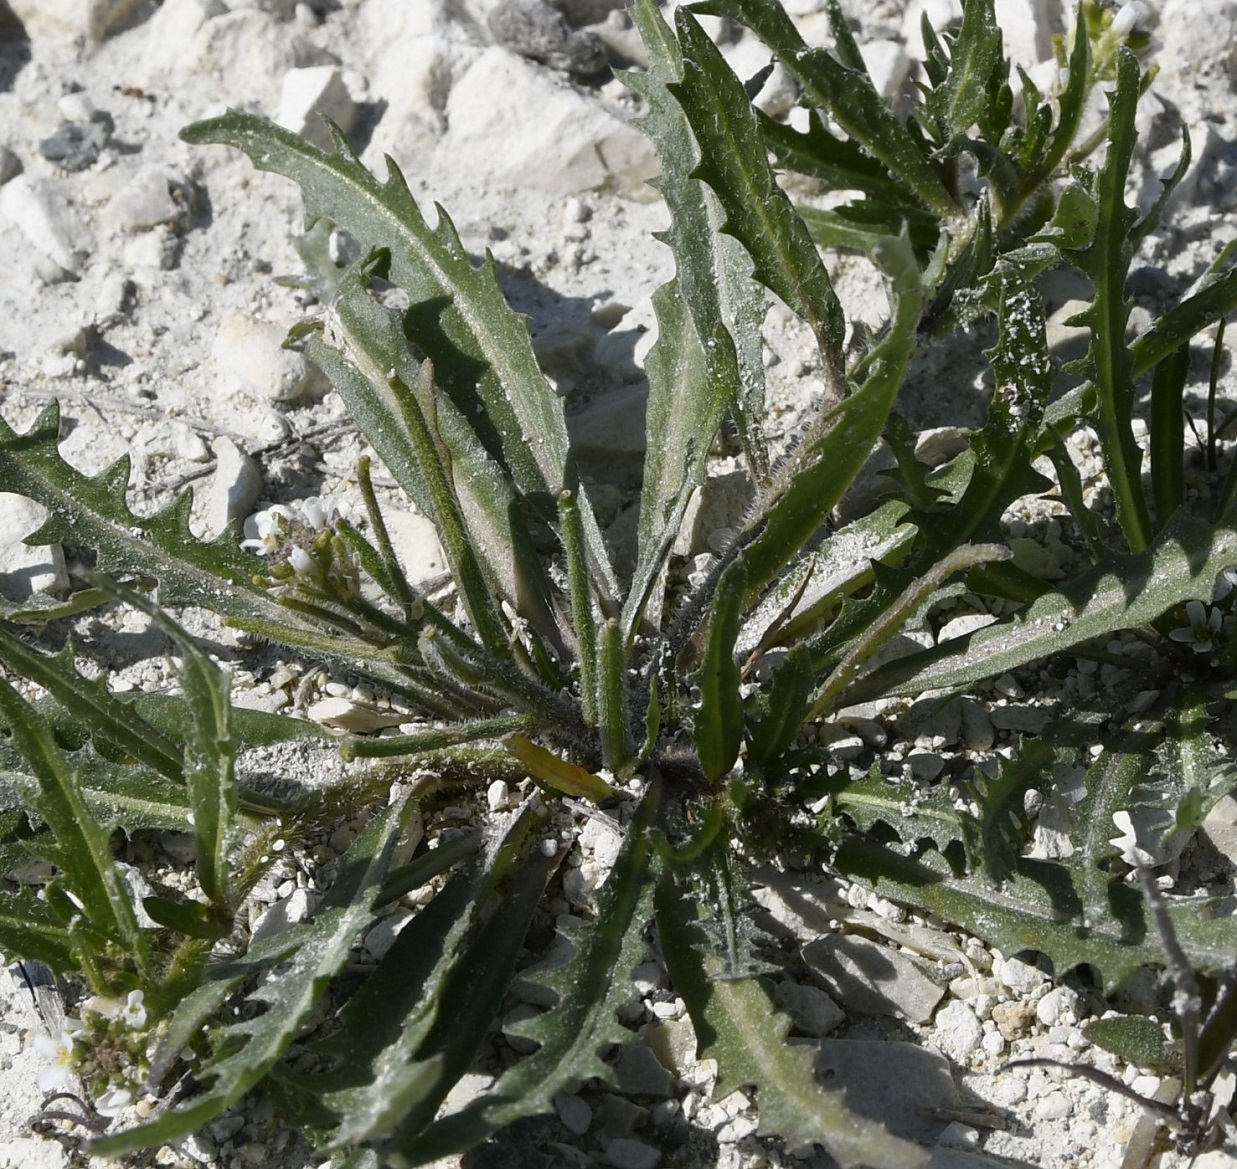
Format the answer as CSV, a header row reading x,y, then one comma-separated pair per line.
x,y
816,475
1107,262
737,1025
582,1023
210,751
734,163
28,931
479,346
718,732
325,946
91,702
1123,592
417,1025
83,848
960,102
217,576
1042,908
1136,1040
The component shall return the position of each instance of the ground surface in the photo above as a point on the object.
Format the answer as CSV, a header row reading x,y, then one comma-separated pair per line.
x,y
137,287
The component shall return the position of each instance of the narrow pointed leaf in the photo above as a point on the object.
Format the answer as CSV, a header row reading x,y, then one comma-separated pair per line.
x,y
737,1025
460,319
326,944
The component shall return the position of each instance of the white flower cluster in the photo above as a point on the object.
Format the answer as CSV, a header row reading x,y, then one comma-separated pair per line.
x,y
284,530
68,1051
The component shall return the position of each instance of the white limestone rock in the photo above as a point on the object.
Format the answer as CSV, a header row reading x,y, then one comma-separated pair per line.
x,y
574,144
39,210
67,20
234,488
27,568
248,355
308,96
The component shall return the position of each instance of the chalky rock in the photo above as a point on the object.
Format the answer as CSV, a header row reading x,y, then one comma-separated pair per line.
x,y
308,96
719,503
234,487
248,355
154,195
250,51
608,433
813,1011
37,208
27,569
537,31
342,714
909,1087
10,165
940,13
574,144
415,540
872,979
66,20
958,1030
283,915
1026,29
176,22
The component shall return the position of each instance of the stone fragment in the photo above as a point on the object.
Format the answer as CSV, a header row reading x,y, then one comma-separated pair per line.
x,y
574,143
10,165
1220,826
308,96
234,488
38,209
342,714
67,20
1198,37
872,979
887,64
640,1073
940,13
977,729
814,1012
415,540
1017,716
283,915
387,928
720,502
608,434
958,1031
1026,30
250,51
77,145
248,354
154,195
575,1114
1058,1006
534,29
1021,977
673,1042
909,1087
26,569
629,1153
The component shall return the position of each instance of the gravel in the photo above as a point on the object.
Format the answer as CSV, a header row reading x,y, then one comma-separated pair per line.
x,y
138,286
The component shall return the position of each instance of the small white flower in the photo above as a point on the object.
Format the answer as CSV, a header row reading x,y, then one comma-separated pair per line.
x,y
318,513
134,1010
1204,624
1128,18
113,1102
265,530
58,1051
300,560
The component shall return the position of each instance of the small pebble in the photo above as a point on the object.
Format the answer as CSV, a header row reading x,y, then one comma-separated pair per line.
x,y
629,1153
575,1114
